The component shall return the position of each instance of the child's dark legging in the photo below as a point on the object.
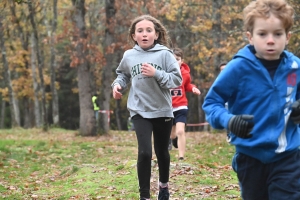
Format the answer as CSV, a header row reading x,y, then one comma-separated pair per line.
x,y
161,128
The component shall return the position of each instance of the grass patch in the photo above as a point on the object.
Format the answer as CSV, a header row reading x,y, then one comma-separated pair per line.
x,y
60,164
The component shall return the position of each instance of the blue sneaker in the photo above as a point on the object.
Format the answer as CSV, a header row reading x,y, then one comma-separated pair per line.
x,y
163,193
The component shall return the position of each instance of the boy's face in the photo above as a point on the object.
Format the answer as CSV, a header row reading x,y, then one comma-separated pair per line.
x,y
145,34
179,60
268,38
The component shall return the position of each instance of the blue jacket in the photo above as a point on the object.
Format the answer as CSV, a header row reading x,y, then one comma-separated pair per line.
x,y
248,88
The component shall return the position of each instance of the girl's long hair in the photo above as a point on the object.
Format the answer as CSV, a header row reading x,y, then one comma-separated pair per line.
x,y
163,36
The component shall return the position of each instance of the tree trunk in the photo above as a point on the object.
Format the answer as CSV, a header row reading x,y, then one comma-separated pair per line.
x,y
55,106
38,119
216,33
118,118
2,114
51,34
201,113
26,102
94,28
40,64
23,35
87,123
15,121
2,108
14,76
109,39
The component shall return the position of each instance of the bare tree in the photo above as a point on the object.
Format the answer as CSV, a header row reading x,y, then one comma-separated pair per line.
x,y
87,123
55,106
14,111
40,63
2,114
38,121
51,31
24,37
109,39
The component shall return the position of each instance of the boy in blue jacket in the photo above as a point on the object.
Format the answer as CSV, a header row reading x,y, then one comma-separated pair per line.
x,y
262,87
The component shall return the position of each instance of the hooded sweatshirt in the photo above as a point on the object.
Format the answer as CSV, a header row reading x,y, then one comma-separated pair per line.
x,y
149,96
179,94
249,89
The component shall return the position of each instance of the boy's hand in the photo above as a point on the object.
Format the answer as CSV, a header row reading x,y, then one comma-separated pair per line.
x,y
196,91
241,126
116,93
295,115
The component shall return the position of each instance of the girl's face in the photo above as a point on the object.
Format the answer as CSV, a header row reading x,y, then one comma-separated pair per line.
x,y
145,34
268,38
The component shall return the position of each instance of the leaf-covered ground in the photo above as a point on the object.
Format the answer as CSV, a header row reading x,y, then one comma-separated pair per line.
x,y
62,165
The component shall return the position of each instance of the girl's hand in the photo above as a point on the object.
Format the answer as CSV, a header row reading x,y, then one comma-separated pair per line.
x,y
196,91
116,93
148,70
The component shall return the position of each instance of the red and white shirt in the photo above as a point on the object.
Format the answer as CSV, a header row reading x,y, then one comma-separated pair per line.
x,y
179,100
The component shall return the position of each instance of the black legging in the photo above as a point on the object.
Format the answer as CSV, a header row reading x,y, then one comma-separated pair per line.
x,y
161,128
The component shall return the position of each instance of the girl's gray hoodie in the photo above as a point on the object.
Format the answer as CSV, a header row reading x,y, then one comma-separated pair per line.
x,y
149,96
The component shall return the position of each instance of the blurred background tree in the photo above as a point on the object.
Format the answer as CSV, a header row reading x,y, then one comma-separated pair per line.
x,y
57,54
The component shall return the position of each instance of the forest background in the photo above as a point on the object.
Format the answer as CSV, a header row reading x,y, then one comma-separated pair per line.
x,y
57,54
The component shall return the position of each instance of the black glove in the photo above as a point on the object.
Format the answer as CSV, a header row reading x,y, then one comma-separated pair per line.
x,y
295,115
241,126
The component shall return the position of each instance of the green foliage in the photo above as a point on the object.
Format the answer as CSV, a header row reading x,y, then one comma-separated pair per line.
x,y
61,165
20,1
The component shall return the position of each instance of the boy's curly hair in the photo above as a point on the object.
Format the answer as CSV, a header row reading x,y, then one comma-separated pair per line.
x,y
264,9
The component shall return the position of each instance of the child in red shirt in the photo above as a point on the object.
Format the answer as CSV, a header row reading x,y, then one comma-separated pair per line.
x,y
180,105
